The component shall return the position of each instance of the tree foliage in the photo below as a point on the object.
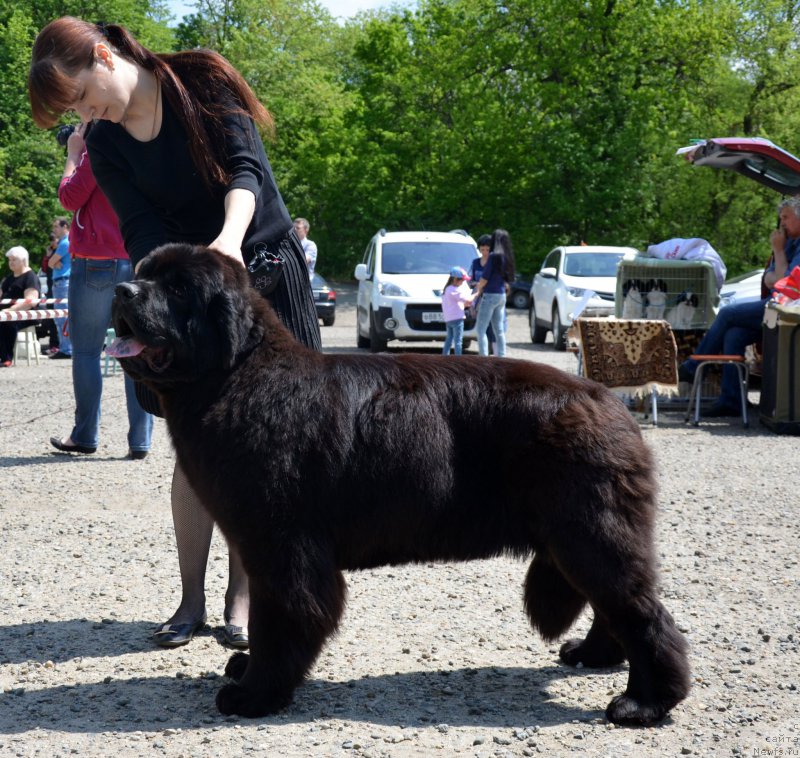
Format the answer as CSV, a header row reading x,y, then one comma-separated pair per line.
x,y
556,119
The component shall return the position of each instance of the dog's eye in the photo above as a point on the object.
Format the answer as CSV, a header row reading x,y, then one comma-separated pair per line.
x,y
177,291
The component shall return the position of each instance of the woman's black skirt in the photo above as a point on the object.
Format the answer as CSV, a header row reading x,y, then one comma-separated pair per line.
x,y
292,300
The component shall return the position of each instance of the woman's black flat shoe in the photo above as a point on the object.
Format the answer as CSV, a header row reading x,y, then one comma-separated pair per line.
x,y
175,635
59,445
236,636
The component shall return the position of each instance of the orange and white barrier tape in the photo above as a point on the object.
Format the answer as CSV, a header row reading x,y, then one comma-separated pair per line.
x,y
36,301
33,315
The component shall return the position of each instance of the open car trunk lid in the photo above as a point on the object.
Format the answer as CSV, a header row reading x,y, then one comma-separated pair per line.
x,y
753,157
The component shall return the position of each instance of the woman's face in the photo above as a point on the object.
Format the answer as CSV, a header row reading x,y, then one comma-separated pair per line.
x,y
17,265
484,251
104,89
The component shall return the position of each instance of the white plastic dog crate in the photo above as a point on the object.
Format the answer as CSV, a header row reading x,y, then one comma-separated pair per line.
x,y
682,292
689,296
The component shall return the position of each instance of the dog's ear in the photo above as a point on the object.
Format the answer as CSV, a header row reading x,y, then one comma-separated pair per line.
x,y
231,313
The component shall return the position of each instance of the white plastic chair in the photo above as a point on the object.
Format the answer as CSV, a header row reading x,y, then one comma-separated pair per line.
x,y
27,345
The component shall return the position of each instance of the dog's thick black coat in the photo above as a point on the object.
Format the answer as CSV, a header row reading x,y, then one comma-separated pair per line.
x,y
312,464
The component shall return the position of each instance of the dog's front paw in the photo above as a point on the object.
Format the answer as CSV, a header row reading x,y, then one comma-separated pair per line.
x,y
624,710
235,699
237,665
573,652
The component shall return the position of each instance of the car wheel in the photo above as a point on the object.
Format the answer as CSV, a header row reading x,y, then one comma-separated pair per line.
x,y
329,321
519,300
538,332
559,332
376,344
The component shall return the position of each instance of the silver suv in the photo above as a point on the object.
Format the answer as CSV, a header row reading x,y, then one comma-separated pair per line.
x,y
400,283
567,276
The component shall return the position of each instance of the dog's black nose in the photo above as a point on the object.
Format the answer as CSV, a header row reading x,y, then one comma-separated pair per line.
x,y
127,290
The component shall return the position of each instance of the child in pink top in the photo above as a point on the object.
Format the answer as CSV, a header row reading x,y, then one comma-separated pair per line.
x,y
455,296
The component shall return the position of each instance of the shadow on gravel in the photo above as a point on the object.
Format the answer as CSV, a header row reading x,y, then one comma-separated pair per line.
x,y
483,697
709,427
56,458
60,641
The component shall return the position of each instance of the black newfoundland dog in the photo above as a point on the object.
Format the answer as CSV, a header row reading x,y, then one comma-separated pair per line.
x,y
312,464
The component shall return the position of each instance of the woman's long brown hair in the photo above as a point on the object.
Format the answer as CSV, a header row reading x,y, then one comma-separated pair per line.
x,y
200,85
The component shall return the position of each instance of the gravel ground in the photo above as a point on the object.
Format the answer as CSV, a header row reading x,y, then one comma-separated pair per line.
x,y
430,660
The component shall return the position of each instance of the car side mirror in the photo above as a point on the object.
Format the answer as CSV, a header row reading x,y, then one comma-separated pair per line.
x,y
361,272
549,272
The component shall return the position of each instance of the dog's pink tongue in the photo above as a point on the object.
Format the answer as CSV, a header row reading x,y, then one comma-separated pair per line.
x,y
124,347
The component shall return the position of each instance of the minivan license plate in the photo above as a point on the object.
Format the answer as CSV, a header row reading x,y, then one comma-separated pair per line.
x,y
429,317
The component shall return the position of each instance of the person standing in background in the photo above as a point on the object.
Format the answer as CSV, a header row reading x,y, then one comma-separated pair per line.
x,y
50,324
456,295
60,263
301,228
475,272
99,263
497,273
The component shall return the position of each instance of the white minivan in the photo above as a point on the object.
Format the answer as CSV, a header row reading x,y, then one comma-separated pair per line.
x,y
400,284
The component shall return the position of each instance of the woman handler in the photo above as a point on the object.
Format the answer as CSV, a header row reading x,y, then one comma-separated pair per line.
x,y
177,152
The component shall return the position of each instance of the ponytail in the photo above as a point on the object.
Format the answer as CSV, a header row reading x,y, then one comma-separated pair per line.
x,y
501,245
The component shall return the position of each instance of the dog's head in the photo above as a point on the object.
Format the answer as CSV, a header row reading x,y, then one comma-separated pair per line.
x,y
656,292
189,311
632,287
688,299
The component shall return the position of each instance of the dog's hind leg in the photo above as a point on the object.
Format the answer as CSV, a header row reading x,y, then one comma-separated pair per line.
x,y
291,617
596,650
552,603
659,676
617,576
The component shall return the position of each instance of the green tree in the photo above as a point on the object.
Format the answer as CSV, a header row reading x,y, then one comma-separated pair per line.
x,y
554,118
557,119
754,93
290,54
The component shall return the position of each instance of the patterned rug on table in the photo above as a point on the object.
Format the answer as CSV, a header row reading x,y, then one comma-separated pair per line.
x,y
630,356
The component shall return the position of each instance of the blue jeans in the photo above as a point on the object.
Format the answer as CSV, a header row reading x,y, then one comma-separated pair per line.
x,y
91,291
455,336
61,290
492,310
734,328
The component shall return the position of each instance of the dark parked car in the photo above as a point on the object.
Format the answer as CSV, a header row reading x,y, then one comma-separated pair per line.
x,y
520,294
324,299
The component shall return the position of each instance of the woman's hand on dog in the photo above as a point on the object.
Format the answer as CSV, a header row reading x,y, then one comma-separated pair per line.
x,y
223,247
239,207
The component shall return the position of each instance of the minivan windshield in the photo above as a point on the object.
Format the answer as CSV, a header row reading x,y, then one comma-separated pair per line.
x,y
426,257
592,264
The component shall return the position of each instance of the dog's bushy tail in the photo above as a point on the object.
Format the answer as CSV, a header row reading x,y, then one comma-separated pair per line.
x,y
552,604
